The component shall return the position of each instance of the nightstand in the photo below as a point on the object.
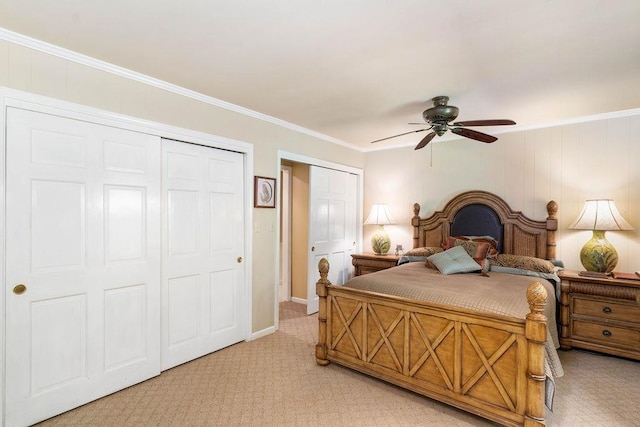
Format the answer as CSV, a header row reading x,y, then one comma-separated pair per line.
x,y
600,314
369,263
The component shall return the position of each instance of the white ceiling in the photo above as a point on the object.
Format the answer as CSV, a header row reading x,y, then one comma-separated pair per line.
x,y
359,70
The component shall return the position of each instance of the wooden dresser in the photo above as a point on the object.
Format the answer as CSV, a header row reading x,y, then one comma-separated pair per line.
x,y
600,314
369,263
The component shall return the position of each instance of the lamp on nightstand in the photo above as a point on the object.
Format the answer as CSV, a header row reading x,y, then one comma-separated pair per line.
x,y
600,216
380,216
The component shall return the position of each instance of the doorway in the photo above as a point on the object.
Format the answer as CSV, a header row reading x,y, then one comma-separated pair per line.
x,y
299,234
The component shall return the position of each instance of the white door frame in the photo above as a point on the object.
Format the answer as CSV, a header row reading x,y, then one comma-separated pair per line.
x,y
284,290
19,99
298,158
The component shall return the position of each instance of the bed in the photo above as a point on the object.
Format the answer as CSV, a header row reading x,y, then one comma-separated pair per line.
x,y
490,362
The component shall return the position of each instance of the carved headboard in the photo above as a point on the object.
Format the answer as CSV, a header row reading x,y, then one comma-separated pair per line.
x,y
480,213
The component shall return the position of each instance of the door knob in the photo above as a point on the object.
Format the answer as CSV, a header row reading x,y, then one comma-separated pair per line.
x,y
239,259
19,289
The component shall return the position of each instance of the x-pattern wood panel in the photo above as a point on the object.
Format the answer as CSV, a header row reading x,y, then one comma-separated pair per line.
x,y
431,346
431,349
346,326
384,337
487,365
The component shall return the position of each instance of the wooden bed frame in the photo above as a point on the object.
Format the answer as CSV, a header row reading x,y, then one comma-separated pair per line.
x,y
487,364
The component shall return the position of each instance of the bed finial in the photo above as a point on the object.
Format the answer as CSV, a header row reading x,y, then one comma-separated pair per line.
x,y
537,298
416,210
323,268
552,209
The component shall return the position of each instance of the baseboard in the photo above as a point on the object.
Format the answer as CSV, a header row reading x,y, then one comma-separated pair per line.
x,y
299,300
262,333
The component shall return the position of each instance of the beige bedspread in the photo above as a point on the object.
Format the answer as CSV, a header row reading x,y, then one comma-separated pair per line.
x,y
500,293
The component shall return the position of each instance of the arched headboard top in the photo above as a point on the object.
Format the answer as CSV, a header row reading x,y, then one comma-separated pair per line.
x,y
520,234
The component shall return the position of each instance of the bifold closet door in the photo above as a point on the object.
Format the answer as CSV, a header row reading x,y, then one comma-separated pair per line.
x,y
82,263
203,250
332,227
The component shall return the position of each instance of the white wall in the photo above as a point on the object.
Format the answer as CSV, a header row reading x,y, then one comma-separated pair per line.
x,y
52,74
568,164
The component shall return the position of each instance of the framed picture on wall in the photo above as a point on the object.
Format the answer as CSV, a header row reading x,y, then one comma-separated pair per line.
x,y
264,192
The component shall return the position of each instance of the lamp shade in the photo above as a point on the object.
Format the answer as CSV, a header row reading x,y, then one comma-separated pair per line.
x,y
379,215
598,254
600,214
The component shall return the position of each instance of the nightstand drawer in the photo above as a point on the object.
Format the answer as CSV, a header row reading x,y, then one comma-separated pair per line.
x,y
606,334
606,309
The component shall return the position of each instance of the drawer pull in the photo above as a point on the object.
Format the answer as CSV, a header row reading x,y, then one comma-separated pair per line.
x,y
607,333
606,310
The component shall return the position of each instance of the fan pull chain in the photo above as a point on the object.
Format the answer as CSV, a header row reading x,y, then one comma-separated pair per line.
x,y
431,157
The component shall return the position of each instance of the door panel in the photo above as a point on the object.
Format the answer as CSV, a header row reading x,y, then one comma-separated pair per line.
x,y
332,219
125,324
182,216
83,226
124,214
202,276
184,310
54,365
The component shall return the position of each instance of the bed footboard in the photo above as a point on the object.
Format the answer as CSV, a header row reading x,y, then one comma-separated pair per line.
x,y
486,364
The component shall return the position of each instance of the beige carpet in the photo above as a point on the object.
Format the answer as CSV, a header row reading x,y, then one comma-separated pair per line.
x,y
274,381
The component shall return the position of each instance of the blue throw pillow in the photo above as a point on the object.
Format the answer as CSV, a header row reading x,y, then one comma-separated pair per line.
x,y
454,260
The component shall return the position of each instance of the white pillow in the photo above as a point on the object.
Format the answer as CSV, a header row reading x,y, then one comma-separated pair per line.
x,y
454,260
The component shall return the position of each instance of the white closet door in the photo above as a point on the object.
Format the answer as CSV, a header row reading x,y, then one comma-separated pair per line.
x,y
203,247
82,237
332,227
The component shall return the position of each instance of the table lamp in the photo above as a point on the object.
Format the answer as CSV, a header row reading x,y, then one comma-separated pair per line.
x,y
598,254
380,216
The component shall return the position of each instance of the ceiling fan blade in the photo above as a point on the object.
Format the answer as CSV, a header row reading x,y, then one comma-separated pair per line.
x,y
496,122
474,134
427,139
395,136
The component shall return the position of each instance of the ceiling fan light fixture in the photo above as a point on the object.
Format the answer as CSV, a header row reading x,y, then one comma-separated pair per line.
x,y
440,128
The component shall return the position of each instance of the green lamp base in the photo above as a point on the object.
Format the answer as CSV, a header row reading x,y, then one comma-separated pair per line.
x,y
380,241
598,254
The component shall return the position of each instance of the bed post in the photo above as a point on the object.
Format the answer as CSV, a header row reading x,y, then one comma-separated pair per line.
x,y
415,222
321,290
552,226
536,335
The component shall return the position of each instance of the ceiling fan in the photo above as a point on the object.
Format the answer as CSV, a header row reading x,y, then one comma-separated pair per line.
x,y
438,118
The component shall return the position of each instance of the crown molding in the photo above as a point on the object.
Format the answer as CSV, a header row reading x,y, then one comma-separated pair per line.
x,y
88,61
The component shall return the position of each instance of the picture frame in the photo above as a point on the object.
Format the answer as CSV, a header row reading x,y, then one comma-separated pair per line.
x,y
264,192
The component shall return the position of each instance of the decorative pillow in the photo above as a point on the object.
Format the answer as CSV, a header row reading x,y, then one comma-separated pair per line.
x,y
476,250
493,243
426,251
410,258
523,262
454,260
522,272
